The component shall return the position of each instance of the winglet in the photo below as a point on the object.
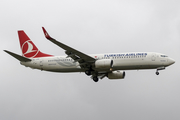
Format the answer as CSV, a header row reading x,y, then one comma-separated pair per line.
x,y
46,34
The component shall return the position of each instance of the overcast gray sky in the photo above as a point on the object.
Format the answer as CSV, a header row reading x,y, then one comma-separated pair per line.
x,y
93,26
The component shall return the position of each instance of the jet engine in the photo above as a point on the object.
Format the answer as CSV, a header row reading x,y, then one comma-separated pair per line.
x,y
116,75
105,63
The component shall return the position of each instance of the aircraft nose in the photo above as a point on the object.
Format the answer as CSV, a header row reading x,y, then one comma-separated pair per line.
x,y
171,61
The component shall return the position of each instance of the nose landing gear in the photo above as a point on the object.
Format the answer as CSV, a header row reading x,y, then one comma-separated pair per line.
x,y
157,73
161,68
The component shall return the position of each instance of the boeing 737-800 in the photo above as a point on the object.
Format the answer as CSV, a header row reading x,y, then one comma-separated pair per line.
x,y
111,65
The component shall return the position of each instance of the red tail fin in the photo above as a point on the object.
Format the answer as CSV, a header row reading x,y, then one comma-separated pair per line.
x,y
28,48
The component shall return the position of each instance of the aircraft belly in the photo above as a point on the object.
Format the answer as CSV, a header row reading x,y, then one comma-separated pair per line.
x,y
67,70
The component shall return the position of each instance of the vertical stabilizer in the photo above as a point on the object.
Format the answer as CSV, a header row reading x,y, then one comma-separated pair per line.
x,y
28,48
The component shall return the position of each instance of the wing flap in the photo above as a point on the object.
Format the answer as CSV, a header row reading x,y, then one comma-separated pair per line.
x,y
19,57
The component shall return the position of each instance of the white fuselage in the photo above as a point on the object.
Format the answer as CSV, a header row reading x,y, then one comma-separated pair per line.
x,y
121,61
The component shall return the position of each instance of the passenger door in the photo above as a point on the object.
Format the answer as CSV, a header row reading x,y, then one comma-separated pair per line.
x,y
153,58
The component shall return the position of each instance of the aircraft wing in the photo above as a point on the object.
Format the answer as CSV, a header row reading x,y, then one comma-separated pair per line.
x,y
84,59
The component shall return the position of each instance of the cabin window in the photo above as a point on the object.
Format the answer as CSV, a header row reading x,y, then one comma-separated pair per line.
x,y
164,56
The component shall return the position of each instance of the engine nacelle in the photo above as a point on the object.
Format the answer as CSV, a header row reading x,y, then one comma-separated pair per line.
x,y
116,75
104,63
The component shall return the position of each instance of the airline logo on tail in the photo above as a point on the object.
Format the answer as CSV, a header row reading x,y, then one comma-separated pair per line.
x,y
28,48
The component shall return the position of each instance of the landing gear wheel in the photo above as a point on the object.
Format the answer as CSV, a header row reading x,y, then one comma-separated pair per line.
x,y
88,72
95,78
157,73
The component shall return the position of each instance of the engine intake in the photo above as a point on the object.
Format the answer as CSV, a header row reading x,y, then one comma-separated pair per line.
x,y
105,63
116,75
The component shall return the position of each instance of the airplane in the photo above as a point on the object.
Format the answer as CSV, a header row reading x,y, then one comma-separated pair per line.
x,y
98,66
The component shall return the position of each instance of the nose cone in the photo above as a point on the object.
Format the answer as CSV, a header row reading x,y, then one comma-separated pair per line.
x,y
171,61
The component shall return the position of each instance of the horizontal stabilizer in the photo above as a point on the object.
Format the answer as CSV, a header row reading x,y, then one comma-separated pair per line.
x,y
19,57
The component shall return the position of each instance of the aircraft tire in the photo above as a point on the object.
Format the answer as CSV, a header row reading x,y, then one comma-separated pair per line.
x,y
88,72
95,78
157,73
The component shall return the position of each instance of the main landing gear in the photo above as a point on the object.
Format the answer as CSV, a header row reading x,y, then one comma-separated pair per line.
x,y
95,78
88,72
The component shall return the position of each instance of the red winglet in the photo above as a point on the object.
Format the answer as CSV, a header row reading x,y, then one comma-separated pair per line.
x,y
46,34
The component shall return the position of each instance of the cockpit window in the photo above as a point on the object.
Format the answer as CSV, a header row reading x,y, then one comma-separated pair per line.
x,y
164,56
